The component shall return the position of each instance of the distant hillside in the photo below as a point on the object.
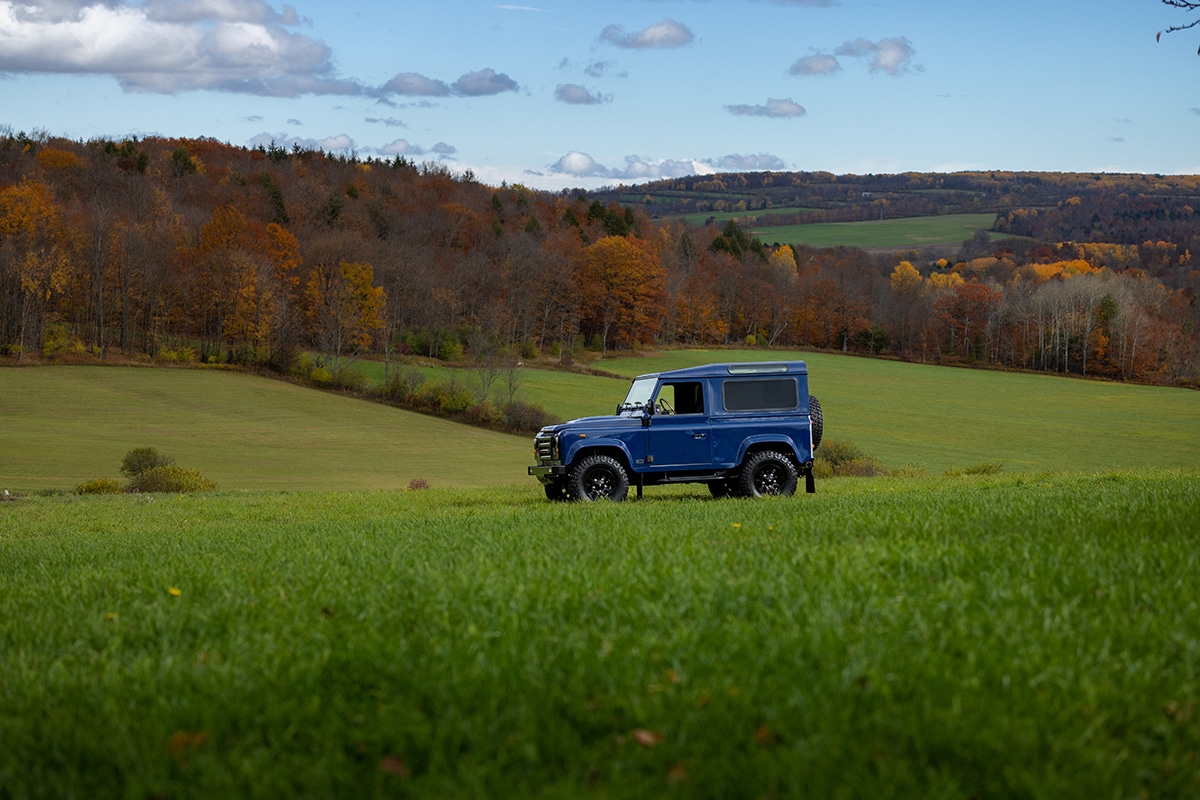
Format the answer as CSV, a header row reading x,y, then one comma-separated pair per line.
x,y
1052,206
196,250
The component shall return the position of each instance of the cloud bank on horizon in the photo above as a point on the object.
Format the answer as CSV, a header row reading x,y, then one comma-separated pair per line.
x,y
210,49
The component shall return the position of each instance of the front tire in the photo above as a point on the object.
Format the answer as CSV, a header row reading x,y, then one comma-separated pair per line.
x,y
768,474
598,477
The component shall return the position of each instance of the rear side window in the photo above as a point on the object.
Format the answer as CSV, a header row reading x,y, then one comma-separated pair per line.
x,y
769,394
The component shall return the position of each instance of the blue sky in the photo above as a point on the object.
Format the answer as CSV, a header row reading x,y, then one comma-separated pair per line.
x,y
562,93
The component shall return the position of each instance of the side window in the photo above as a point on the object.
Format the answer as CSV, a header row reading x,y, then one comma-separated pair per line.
x,y
770,394
685,398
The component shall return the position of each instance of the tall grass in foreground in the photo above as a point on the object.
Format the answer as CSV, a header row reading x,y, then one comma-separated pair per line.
x,y
1002,636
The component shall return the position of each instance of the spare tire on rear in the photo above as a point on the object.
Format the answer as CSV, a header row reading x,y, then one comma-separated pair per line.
x,y
818,422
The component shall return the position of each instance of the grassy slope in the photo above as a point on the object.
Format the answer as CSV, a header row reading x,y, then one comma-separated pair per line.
x,y
1013,636
65,425
896,233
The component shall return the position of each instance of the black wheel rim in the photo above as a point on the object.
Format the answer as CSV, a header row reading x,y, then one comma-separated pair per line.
x,y
599,482
768,479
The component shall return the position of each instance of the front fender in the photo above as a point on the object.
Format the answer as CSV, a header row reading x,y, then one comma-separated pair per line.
x,y
577,448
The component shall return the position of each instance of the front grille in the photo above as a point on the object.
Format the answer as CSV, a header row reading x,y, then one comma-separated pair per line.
x,y
545,447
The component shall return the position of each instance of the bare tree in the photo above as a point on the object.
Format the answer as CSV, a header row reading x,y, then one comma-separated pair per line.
x,y
1186,5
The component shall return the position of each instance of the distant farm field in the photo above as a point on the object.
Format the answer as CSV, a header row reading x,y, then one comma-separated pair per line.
x,y
895,233
1009,636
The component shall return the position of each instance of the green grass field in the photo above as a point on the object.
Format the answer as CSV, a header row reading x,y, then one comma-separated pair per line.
x,y
61,426
66,425
900,234
1025,635
936,417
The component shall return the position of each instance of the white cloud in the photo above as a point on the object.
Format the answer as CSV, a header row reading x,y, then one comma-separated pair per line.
x,y
636,169
659,36
892,55
818,64
417,85
775,107
574,94
756,162
329,144
221,45
402,147
484,82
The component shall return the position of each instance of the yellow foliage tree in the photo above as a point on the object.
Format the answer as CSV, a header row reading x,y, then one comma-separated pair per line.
x,y
344,309
29,222
906,279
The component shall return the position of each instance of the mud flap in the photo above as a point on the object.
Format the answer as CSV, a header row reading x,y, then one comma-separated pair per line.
x,y
810,483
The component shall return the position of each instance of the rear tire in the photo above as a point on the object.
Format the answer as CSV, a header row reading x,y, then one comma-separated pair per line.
x,y
719,489
768,473
598,477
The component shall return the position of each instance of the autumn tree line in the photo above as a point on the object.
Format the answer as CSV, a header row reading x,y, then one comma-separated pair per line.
x,y
193,249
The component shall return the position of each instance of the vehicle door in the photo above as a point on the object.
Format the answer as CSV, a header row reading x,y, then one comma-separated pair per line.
x,y
679,433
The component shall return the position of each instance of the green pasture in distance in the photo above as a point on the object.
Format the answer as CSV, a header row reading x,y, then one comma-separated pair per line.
x,y
63,425
1024,635
943,417
721,217
900,234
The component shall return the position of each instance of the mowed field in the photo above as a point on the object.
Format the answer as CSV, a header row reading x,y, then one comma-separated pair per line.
x,y
62,426
894,233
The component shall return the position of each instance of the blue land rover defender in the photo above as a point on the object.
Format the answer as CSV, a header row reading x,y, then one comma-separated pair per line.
x,y
746,430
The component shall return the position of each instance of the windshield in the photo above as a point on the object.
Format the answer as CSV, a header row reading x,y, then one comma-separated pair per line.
x,y
640,394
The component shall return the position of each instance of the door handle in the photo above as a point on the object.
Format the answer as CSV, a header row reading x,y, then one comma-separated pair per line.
x,y
699,435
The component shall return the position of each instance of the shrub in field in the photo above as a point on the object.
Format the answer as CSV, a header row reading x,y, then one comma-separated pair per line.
x,y
865,467
978,469
418,483
442,398
140,459
843,459
401,385
481,415
522,417
100,486
170,478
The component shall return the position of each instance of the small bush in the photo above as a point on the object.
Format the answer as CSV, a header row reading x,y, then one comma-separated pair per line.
x,y
836,452
524,417
170,479
845,460
910,471
100,486
401,384
978,469
442,398
351,380
865,467
140,459
481,415
418,483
